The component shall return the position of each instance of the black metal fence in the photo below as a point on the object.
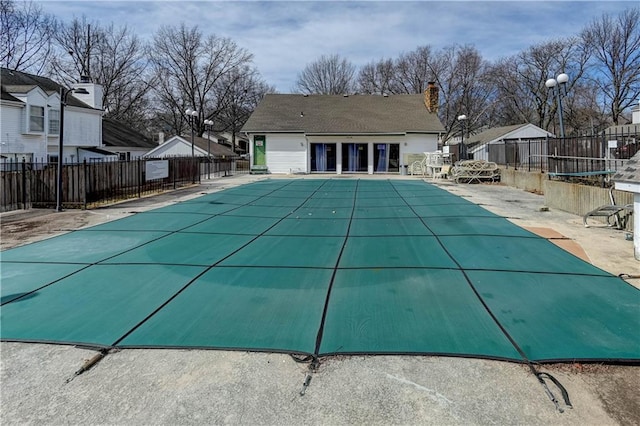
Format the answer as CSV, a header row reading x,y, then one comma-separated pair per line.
x,y
87,185
565,157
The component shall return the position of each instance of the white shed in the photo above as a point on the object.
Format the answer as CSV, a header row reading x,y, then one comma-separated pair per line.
x,y
180,146
478,146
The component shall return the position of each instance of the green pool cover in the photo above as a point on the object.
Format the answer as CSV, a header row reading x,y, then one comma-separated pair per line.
x,y
320,267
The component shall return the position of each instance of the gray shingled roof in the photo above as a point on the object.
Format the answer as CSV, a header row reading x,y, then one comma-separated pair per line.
x,y
6,96
217,149
22,82
495,133
335,114
631,171
115,133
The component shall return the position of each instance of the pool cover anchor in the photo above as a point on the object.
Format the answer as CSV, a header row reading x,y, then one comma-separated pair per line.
x,y
313,367
89,364
565,395
305,385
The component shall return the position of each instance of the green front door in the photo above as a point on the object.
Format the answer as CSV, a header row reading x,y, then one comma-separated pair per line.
x,y
259,149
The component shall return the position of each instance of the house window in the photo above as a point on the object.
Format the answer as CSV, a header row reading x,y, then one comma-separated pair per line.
x,y
36,118
54,121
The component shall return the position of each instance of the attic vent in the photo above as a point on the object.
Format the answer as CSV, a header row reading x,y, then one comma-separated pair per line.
x,y
85,79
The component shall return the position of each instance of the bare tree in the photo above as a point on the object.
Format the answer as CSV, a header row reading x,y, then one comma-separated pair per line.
x,y
616,46
377,78
329,75
413,71
520,81
112,57
240,91
190,69
25,41
460,72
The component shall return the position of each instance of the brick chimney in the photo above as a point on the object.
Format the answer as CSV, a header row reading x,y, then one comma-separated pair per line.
x,y
431,99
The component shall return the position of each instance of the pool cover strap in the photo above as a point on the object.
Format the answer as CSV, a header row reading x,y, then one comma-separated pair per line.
x,y
565,394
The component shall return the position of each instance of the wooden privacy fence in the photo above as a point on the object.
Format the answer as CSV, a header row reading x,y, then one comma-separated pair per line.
x,y
85,185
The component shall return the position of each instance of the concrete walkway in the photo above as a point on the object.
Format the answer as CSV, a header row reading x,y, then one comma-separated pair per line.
x,y
215,387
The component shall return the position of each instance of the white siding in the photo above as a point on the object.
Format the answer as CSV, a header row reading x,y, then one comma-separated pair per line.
x,y
11,135
17,142
286,153
418,144
289,153
174,147
82,127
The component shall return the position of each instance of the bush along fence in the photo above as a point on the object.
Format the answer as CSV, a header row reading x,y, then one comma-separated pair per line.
x,y
90,184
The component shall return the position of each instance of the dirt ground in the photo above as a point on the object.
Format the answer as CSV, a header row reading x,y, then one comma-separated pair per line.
x,y
602,394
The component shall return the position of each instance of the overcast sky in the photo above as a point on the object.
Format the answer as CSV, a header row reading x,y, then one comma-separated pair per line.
x,y
285,36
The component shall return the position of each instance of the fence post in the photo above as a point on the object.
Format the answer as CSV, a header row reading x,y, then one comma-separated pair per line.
x,y
173,167
24,184
139,178
84,183
548,153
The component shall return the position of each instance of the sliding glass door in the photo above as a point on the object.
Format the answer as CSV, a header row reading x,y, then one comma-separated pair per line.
x,y
354,157
386,157
323,157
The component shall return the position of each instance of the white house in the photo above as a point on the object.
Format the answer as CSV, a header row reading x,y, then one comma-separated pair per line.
x,y
180,146
478,146
342,134
30,119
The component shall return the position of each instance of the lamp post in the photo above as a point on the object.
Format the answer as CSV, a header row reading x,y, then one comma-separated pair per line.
x,y
463,149
209,125
63,102
558,86
191,114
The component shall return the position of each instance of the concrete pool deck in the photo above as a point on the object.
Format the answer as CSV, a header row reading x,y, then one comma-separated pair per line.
x,y
178,386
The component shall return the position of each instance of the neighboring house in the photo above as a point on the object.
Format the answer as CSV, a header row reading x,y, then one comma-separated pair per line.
x,y
125,142
342,134
227,139
180,146
30,119
479,146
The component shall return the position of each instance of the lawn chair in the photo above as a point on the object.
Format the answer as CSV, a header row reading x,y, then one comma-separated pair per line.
x,y
609,211
443,173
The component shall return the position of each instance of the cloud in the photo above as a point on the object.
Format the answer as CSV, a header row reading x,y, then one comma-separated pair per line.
x,y
285,36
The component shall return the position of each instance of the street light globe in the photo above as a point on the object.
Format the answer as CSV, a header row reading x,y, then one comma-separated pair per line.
x,y
462,117
188,111
563,78
194,113
551,83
